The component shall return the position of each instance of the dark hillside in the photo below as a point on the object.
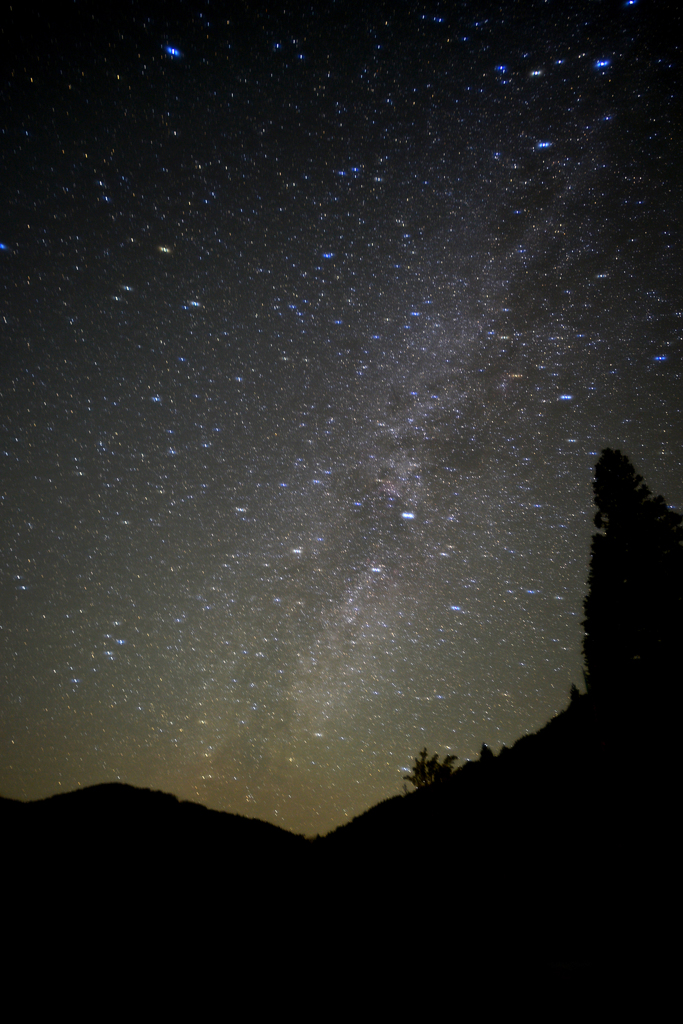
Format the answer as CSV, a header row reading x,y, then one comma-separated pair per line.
x,y
113,871
539,855
531,854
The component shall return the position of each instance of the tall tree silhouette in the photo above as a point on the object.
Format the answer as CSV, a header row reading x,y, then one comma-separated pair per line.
x,y
634,602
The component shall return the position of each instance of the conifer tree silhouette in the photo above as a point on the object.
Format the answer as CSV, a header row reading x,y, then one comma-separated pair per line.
x,y
485,754
634,602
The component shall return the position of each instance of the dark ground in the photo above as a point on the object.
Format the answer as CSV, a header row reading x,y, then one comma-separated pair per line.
x,y
455,881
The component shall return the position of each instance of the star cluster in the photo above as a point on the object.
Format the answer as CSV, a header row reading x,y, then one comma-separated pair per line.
x,y
314,324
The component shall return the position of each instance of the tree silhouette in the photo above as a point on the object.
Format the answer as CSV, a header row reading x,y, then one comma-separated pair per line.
x,y
428,770
635,599
485,754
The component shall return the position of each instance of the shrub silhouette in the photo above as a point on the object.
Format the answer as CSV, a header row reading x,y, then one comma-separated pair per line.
x,y
427,771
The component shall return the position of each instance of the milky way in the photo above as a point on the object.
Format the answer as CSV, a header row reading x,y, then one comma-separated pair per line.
x,y
314,326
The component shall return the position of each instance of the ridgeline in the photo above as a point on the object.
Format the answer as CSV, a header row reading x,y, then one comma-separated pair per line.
x,y
534,855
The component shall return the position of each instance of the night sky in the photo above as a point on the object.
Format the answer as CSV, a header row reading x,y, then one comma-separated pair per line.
x,y
314,324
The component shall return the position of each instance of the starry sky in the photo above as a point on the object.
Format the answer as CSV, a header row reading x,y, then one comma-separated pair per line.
x,y
314,322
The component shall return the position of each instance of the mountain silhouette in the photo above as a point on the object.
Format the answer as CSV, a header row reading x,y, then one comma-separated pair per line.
x,y
527,857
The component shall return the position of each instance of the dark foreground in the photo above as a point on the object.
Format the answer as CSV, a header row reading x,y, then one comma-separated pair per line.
x,y
548,859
